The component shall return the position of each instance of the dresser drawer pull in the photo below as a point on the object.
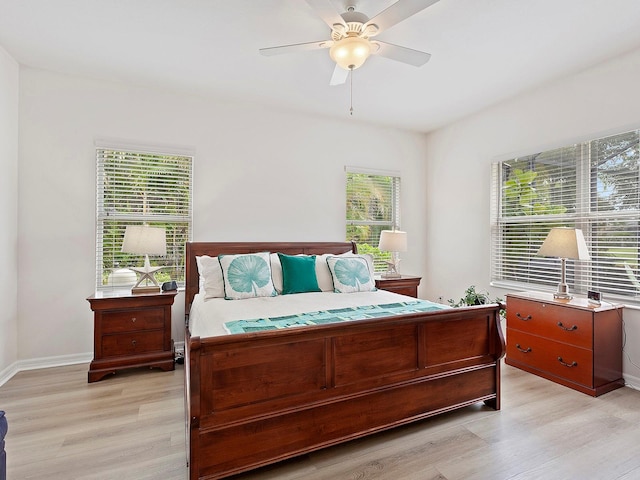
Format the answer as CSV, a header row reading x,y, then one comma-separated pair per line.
x,y
526,319
523,350
572,364
133,342
133,319
570,329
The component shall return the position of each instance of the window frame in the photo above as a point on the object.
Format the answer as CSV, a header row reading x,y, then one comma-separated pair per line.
x,y
182,220
605,225
380,258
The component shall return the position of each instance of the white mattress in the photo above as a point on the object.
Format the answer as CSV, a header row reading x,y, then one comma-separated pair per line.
x,y
207,317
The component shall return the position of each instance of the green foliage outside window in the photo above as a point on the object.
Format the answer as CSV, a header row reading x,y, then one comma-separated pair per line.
x,y
372,206
142,188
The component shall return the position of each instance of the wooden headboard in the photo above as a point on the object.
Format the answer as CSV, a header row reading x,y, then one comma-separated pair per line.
x,y
213,249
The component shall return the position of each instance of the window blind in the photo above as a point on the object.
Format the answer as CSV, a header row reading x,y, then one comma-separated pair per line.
x,y
135,188
373,205
593,186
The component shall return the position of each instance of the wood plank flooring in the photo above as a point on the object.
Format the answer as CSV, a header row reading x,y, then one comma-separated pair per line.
x,y
131,427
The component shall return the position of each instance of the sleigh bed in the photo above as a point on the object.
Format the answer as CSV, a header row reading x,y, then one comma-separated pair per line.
x,y
260,397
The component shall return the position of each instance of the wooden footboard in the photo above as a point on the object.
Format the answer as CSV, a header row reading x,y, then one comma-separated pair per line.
x,y
254,399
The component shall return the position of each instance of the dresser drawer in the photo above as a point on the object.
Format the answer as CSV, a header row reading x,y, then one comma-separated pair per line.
x,y
572,363
567,325
132,320
132,343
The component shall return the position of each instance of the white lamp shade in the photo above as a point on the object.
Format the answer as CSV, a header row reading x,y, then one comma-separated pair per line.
x,y
144,240
564,242
393,241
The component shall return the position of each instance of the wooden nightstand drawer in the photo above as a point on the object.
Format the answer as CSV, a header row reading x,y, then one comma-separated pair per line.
x,y
132,320
572,363
132,343
568,325
403,285
131,331
567,341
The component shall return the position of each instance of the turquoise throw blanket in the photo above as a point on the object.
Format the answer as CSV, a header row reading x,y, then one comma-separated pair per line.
x,y
332,316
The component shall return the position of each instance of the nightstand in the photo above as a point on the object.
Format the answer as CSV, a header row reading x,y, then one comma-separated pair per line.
x,y
404,284
567,341
131,331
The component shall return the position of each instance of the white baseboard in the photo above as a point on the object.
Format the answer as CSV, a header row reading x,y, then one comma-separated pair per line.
x,y
631,381
8,373
59,361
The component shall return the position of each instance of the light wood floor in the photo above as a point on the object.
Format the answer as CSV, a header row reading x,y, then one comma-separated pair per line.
x,y
131,427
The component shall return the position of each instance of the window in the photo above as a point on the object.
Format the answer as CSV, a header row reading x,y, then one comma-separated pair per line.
x,y
594,186
373,205
135,188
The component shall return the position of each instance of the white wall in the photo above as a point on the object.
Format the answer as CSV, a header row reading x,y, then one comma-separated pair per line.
x,y
591,104
9,87
259,175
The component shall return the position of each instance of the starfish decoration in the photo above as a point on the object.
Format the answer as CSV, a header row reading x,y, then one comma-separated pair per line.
x,y
146,273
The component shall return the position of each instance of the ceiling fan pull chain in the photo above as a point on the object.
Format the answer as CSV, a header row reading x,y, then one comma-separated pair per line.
x,y
351,109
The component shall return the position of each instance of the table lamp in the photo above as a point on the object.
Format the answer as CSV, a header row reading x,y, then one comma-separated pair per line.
x,y
145,240
564,243
393,241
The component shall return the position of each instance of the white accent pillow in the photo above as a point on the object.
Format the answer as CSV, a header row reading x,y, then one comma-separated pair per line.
x,y
351,273
211,282
247,276
276,272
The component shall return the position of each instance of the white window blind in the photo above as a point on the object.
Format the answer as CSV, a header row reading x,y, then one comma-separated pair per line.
x,y
135,188
594,186
373,205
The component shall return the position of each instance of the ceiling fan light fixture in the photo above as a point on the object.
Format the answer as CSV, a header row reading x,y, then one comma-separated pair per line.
x,y
350,52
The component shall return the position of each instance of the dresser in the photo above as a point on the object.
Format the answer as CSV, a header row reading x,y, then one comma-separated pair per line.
x,y
567,341
131,331
404,284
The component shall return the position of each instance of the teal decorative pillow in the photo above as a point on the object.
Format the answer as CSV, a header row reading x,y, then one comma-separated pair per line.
x,y
298,273
351,274
246,276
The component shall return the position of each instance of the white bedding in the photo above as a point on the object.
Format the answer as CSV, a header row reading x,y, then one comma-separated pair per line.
x,y
207,317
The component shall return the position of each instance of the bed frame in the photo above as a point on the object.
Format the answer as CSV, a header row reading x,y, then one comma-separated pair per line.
x,y
257,398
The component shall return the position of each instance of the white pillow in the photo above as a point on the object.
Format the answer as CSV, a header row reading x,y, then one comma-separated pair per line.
x,y
351,273
276,272
247,276
211,282
325,282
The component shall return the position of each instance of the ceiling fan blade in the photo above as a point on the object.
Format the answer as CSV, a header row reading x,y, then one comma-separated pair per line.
x,y
326,11
398,12
296,47
402,54
339,76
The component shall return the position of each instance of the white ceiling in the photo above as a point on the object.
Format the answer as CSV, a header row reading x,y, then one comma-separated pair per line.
x,y
483,51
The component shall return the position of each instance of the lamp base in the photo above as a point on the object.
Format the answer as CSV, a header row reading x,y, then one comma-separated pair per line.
x,y
390,275
145,289
562,296
563,292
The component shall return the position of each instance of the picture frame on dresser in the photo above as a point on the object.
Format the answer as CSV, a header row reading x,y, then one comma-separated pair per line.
x,y
568,341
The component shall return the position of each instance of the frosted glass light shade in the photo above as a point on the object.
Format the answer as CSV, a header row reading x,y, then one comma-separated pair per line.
x,y
350,52
144,240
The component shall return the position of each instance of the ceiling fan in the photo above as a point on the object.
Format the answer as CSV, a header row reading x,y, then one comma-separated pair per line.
x,y
350,44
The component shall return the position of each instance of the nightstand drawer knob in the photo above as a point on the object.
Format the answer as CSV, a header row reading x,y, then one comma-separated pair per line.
x,y
133,319
526,319
523,350
133,342
568,329
572,364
